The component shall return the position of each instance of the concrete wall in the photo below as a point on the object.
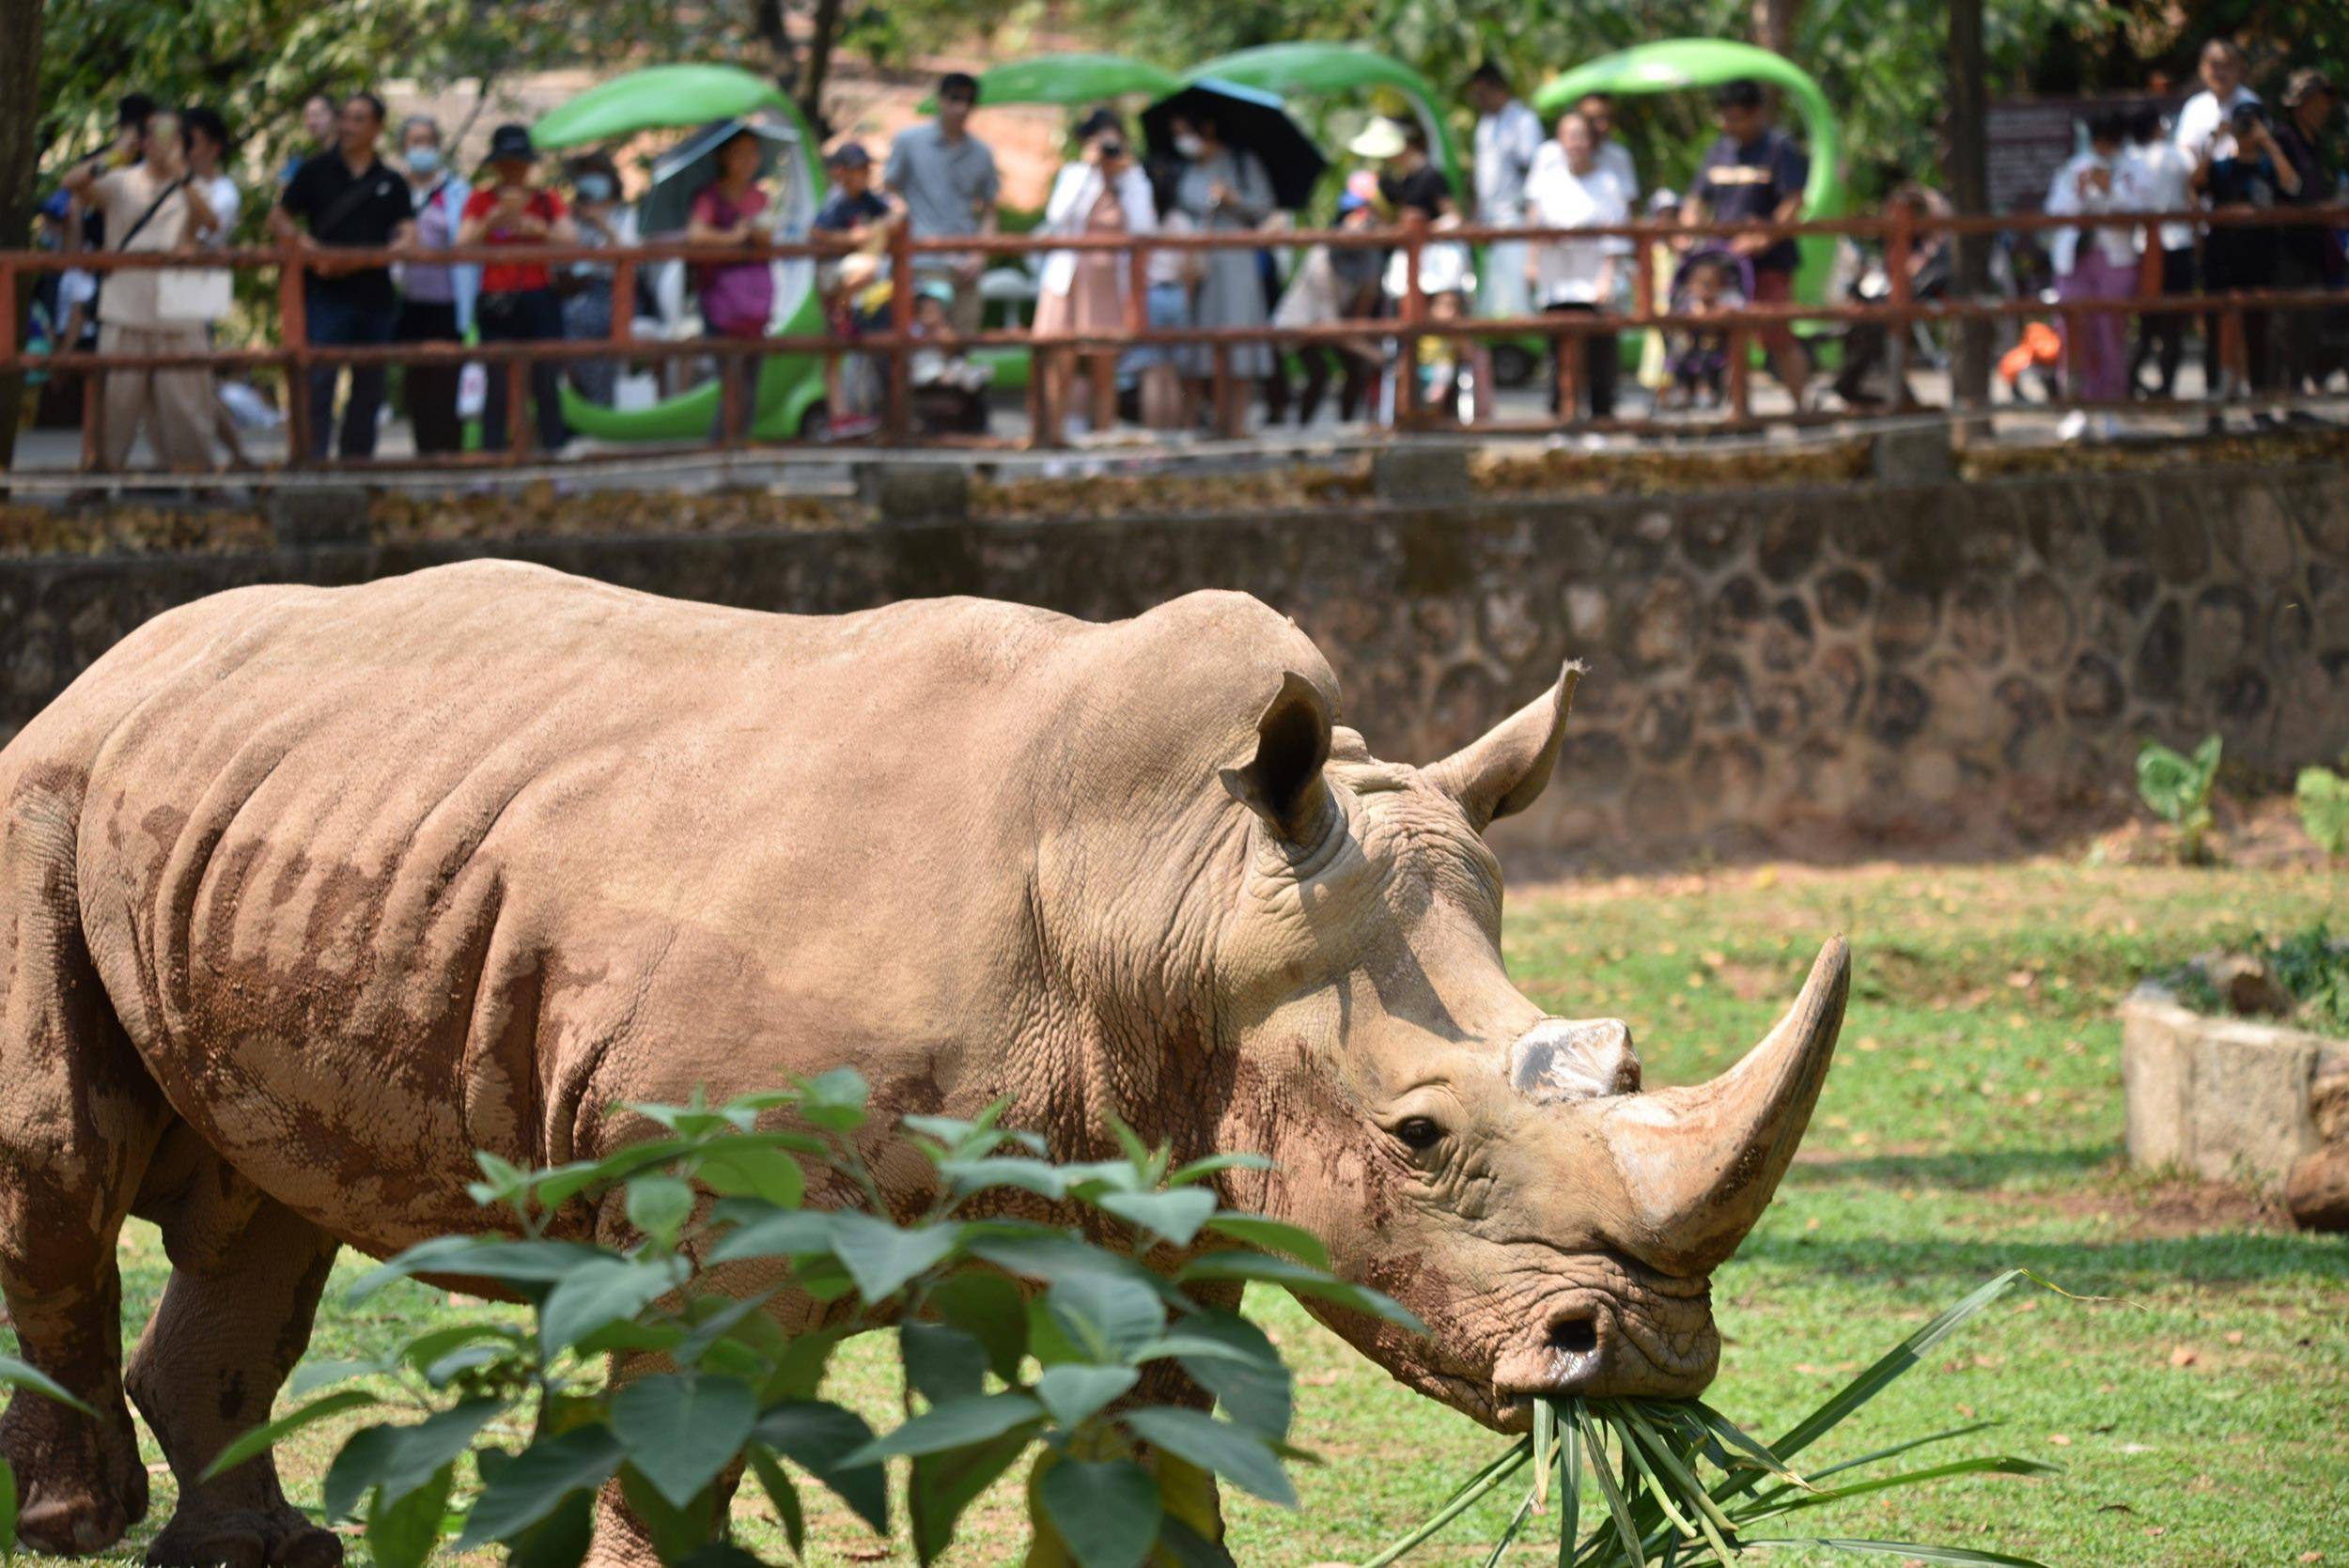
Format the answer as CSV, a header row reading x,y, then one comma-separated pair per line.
x,y
1824,670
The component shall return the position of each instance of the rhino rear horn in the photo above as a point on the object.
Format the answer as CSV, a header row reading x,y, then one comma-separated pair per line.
x,y
1283,783
1507,769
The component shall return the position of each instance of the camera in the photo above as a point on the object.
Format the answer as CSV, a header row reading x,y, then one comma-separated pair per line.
x,y
1113,148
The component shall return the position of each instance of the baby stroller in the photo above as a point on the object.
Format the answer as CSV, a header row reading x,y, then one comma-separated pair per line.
x,y
1709,282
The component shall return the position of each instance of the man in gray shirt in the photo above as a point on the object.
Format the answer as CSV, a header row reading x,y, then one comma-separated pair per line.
x,y
946,177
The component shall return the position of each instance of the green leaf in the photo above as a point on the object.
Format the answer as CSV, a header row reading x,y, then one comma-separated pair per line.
x,y
1231,1359
820,1438
262,1439
676,1531
2323,797
1106,1317
989,1309
1032,1252
1617,1508
428,1348
412,1453
800,1370
833,1100
1173,1217
8,1509
680,1432
782,1494
1904,1548
774,1233
1272,1235
941,1363
1074,1392
312,1376
1569,1488
1890,1365
596,1293
956,1423
23,1375
1200,1169
966,1177
1986,1465
362,1458
403,1530
766,1173
1107,1513
1233,1453
532,1483
659,1205
880,1257
560,1540
1297,1279
519,1263
943,1484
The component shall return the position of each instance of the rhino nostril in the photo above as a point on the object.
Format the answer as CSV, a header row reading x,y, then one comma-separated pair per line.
x,y
1574,1335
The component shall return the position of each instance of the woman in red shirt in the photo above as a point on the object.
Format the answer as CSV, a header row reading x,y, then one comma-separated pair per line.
x,y
518,301
737,297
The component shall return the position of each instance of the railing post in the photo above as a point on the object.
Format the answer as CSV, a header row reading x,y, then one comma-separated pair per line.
x,y
1740,374
623,302
518,407
1414,313
293,337
1898,247
93,414
1223,394
2149,263
1137,286
9,307
1644,272
900,419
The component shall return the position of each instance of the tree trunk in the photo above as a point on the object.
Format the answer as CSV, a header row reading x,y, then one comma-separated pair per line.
x,y
1773,24
1969,157
767,25
20,151
819,41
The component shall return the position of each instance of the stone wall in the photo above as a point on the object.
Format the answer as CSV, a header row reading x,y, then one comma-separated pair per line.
x,y
1820,669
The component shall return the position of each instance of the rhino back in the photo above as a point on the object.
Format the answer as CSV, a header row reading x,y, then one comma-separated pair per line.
x,y
379,875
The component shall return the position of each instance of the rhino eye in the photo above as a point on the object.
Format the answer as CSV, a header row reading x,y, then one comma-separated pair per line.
x,y
1418,1132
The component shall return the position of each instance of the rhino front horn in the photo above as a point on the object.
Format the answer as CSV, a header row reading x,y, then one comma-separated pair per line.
x,y
1699,1163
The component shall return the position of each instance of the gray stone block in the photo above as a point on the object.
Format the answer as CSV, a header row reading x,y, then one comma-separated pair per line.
x,y
320,515
911,495
1919,456
2223,1097
1419,475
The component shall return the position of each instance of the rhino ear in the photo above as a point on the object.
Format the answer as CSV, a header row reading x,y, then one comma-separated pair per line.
x,y
1282,781
1506,770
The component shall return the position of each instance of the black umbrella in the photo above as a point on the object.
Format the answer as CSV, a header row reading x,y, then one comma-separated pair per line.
x,y
1245,120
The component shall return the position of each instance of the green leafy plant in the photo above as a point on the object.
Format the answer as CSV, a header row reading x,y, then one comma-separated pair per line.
x,y
1648,1459
2315,968
2176,788
1017,1337
2323,797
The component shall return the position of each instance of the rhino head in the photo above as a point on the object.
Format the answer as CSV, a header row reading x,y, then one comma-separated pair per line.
x,y
1497,1170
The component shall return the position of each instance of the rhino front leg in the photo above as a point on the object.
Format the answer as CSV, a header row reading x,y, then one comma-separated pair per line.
x,y
79,1115
246,1277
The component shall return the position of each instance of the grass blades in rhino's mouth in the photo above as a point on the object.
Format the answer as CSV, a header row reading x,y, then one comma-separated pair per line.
x,y
1677,1481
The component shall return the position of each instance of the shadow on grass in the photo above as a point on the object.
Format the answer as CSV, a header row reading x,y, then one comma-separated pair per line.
x,y
1964,1172
2083,1266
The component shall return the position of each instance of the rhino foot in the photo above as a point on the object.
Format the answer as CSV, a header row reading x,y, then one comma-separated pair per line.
x,y
243,1538
81,1481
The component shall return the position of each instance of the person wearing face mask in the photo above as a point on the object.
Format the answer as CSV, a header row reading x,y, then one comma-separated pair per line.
x,y
585,286
1223,187
517,304
436,298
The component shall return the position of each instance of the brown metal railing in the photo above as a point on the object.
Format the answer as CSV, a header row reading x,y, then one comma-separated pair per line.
x,y
1900,231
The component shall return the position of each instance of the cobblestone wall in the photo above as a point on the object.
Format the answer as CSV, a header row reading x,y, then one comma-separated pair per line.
x,y
1819,671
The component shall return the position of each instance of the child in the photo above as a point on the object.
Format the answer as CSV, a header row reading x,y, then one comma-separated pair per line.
x,y
1701,364
936,368
1446,388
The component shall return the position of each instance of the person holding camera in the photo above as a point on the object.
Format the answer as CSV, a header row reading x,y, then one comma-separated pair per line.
x,y
1102,191
2243,167
518,303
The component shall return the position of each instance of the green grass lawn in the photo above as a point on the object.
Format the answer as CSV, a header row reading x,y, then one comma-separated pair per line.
x,y
1972,1123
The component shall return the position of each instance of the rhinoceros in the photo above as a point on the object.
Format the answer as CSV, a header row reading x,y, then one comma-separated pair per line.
x,y
306,894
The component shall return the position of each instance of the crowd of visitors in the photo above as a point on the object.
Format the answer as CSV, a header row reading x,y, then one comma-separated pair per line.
x,y
166,184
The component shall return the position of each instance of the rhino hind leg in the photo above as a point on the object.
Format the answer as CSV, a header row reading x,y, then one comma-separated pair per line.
x,y
246,1276
79,1115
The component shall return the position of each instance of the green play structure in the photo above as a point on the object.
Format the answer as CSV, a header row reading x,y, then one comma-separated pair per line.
x,y
1679,65
1321,69
711,101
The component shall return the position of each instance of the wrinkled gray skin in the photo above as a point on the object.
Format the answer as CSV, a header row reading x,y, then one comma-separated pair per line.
x,y
306,894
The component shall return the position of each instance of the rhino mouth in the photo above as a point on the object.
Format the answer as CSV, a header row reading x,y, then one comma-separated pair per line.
x,y
1597,1344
